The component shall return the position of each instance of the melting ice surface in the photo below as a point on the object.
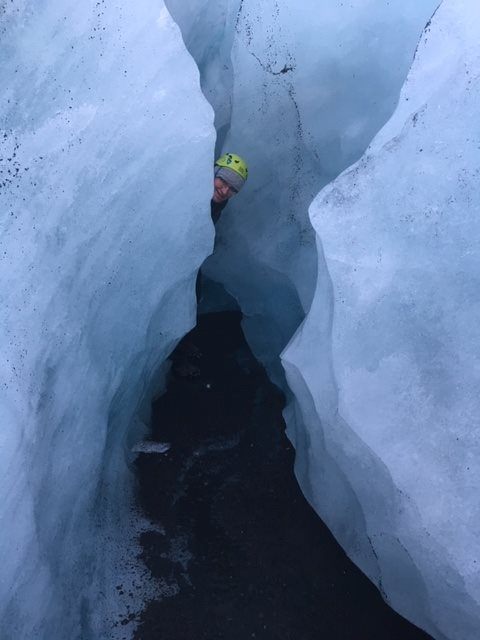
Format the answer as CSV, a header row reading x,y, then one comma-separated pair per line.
x,y
391,453
106,153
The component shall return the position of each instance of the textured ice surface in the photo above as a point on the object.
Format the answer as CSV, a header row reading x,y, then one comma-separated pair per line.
x,y
312,84
386,366
207,28
105,180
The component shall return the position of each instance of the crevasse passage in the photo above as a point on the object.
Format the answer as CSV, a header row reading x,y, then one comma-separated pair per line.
x,y
106,152
242,552
374,366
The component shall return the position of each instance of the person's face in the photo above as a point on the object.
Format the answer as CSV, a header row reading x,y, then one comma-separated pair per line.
x,y
222,191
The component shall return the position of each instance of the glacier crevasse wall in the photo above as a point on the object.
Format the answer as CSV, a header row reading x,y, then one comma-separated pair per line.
x,y
105,180
385,366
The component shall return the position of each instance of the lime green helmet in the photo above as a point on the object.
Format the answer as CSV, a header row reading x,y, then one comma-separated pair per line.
x,y
235,163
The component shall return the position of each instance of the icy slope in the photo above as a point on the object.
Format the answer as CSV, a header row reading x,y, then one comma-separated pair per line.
x,y
386,366
105,177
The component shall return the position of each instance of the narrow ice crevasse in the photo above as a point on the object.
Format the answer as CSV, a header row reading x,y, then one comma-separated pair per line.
x,y
310,88
299,91
106,153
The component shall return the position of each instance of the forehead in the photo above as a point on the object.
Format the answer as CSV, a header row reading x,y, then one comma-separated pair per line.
x,y
221,181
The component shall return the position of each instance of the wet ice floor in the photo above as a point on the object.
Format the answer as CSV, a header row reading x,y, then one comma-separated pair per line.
x,y
238,549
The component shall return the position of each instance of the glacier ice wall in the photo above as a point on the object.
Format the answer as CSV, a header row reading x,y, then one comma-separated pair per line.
x,y
385,367
106,147
311,85
208,31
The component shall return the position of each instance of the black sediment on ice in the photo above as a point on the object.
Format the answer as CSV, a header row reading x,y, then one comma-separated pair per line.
x,y
243,552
